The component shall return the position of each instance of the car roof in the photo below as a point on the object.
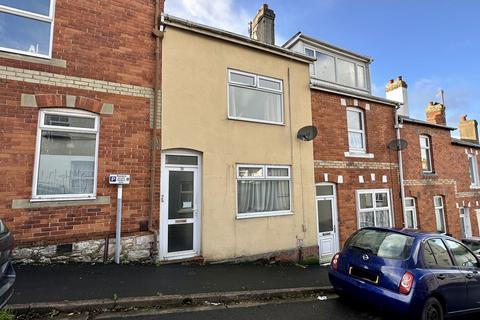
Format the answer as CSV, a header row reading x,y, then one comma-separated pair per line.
x,y
417,234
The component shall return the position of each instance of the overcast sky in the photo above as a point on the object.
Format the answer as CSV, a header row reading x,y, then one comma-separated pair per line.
x,y
433,44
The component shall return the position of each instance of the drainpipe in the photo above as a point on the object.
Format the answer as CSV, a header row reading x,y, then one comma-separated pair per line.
x,y
154,137
400,163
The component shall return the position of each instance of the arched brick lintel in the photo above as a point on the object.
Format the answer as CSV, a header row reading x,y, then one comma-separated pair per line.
x,y
63,100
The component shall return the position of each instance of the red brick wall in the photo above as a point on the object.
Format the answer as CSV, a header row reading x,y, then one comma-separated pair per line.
x,y
330,118
105,40
108,41
450,179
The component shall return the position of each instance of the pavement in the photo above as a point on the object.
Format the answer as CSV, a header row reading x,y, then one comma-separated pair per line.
x,y
60,283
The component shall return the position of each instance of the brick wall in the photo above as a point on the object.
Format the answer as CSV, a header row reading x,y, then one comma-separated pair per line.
x,y
379,172
103,52
450,178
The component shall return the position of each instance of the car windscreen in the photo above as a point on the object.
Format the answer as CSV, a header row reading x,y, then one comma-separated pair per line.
x,y
3,227
382,243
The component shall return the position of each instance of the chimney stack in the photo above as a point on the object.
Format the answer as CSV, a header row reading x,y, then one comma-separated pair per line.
x,y
468,129
262,27
396,90
436,113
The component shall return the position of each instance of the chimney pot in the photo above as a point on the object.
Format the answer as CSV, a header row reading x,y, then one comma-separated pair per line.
x,y
463,118
391,81
399,78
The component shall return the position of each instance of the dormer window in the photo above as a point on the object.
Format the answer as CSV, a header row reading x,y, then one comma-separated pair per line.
x,y
335,69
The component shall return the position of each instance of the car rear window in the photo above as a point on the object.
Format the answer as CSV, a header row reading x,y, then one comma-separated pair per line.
x,y
385,244
474,246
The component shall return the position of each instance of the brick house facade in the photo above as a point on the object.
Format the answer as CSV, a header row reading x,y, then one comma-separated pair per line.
x,y
351,174
101,66
444,185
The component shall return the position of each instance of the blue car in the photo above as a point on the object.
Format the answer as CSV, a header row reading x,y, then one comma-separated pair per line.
x,y
408,273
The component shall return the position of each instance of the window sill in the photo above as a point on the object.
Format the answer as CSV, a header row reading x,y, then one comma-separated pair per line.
x,y
263,214
475,187
359,155
48,203
256,121
429,174
46,61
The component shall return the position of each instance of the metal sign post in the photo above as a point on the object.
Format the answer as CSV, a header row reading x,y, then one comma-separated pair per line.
x,y
120,180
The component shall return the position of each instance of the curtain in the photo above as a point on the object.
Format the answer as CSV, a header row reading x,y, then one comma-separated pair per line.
x,y
263,195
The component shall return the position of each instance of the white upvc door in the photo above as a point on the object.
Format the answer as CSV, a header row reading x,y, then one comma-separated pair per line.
x,y
180,212
328,238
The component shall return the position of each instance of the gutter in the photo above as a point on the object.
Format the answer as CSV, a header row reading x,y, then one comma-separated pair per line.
x,y
234,38
158,34
398,126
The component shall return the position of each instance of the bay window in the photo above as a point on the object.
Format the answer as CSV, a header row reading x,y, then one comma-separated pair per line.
x,y
263,190
26,27
255,98
330,68
374,208
66,155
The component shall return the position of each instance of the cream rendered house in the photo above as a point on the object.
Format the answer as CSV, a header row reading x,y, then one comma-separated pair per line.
x,y
235,180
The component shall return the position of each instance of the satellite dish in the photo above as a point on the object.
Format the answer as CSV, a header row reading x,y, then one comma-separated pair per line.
x,y
307,133
398,144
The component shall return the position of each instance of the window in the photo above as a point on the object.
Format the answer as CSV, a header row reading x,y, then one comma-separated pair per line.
x,y
330,68
473,168
410,213
465,224
66,155
441,258
426,154
463,257
374,209
254,98
356,130
26,26
439,213
263,190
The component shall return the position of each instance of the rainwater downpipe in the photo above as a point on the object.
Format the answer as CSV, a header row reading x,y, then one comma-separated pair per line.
x,y
158,34
400,162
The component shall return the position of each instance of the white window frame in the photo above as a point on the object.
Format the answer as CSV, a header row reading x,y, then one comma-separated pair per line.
x,y
414,212
363,132
428,149
263,177
476,181
373,192
467,222
335,59
256,86
442,207
41,126
35,16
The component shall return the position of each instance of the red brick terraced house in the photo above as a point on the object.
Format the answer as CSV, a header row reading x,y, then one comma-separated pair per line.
x,y
356,174
441,177
77,94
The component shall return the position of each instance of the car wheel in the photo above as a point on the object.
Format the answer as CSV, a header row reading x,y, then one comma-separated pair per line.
x,y
432,310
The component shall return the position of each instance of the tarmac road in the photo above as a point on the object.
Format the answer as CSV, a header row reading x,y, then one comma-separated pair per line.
x,y
331,309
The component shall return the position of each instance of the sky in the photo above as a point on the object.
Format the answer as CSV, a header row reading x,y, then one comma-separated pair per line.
x,y
433,44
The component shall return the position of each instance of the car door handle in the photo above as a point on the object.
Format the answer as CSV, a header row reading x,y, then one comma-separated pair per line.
x,y
469,276
441,277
